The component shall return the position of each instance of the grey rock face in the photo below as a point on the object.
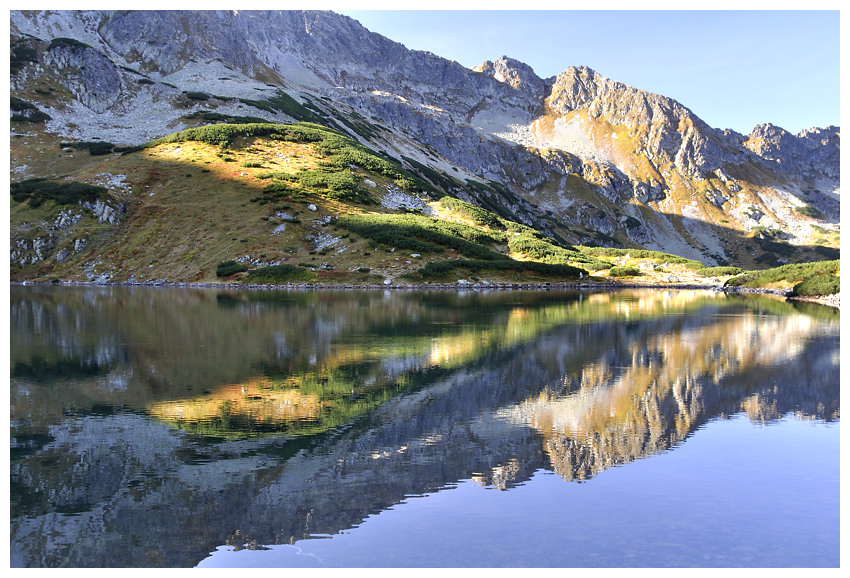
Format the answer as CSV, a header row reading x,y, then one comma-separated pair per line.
x,y
25,252
66,218
672,131
811,152
106,212
517,75
88,74
481,121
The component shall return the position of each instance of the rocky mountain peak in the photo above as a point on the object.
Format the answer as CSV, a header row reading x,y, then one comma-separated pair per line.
x,y
658,125
581,87
769,131
514,73
814,150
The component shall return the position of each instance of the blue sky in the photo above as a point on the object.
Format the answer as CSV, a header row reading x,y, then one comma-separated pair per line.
x,y
732,68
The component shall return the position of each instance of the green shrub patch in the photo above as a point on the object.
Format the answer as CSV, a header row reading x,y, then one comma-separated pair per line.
x,y
69,42
624,271
21,54
37,191
219,134
720,271
641,254
24,111
340,153
442,268
284,103
281,274
340,185
810,211
792,273
477,214
228,268
421,234
820,285
94,148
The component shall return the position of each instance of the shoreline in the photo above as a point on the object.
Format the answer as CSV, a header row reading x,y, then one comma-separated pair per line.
x,y
371,287
828,300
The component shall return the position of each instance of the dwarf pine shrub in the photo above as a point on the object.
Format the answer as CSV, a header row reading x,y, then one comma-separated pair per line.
x,y
791,273
820,285
477,214
720,271
37,191
94,148
442,268
228,268
281,274
623,271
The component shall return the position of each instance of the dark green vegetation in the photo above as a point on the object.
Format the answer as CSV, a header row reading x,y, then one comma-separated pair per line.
x,y
287,105
642,254
308,111
37,191
439,269
220,134
341,152
62,42
338,183
280,274
477,214
623,271
720,271
21,53
94,148
536,246
787,274
99,148
438,179
228,268
422,234
208,116
810,211
820,285
23,111
333,176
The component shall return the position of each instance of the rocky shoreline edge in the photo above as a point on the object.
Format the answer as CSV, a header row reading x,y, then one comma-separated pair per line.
x,y
829,300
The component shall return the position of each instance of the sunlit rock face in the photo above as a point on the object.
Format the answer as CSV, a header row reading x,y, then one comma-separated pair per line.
x,y
577,151
669,385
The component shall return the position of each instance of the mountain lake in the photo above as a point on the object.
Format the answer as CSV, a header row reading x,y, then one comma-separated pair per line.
x,y
203,427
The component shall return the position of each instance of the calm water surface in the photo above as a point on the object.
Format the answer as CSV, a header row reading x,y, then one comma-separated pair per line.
x,y
155,427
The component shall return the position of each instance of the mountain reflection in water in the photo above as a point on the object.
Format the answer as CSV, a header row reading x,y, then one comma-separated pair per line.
x,y
151,425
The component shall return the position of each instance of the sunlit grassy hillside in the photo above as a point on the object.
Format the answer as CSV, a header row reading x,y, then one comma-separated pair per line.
x,y
299,203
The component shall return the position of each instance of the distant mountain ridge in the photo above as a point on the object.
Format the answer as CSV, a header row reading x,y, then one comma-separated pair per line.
x,y
580,157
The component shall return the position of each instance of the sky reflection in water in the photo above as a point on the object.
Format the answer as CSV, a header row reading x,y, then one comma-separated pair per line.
x,y
723,498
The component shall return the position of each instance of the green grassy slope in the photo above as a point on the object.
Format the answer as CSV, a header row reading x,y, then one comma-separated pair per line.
x,y
269,203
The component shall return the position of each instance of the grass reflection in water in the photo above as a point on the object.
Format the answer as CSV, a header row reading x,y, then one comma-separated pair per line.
x,y
358,373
